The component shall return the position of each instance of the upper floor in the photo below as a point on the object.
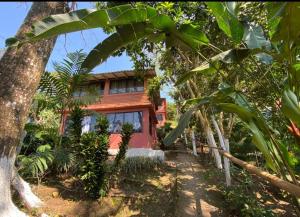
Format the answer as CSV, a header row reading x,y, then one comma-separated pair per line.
x,y
118,90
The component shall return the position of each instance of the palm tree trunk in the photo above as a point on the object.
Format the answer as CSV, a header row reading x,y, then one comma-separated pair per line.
x,y
20,72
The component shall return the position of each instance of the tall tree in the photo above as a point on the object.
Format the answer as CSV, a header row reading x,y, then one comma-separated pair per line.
x,y
20,72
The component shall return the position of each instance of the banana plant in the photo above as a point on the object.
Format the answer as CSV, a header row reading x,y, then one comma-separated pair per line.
x,y
263,136
131,24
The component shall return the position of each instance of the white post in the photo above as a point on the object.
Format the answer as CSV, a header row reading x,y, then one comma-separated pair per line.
x,y
223,145
194,143
227,164
212,143
185,138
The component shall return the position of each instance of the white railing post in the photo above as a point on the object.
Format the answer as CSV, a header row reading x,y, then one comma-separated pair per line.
x,y
185,138
194,143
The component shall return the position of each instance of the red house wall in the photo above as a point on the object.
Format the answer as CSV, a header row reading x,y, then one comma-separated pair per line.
x,y
163,111
127,102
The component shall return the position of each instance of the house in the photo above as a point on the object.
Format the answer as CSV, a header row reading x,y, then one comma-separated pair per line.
x,y
123,98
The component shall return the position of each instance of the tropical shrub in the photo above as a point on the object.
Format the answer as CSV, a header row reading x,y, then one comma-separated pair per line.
x,y
162,132
93,155
241,199
126,132
75,125
64,160
35,164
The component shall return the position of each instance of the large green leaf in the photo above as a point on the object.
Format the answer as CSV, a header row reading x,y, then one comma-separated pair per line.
x,y
187,37
242,112
212,65
126,34
205,68
262,144
287,18
162,22
251,121
192,36
226,15
275,10
88,18
182,124
230,56
290,106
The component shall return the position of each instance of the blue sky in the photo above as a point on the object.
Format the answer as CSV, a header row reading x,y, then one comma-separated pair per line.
x,y
12,15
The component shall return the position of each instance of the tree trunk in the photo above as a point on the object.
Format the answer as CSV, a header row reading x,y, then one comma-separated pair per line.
x,y
20,72
223,145
212,143
207,129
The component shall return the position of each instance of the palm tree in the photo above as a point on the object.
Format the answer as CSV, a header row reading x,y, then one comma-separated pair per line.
x,y
68,80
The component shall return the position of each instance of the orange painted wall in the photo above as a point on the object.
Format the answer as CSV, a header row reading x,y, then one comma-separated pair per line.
x,y
162,110
126,102
138,140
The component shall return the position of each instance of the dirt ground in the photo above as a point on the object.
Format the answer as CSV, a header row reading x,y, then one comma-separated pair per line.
x,y
184,186
149,193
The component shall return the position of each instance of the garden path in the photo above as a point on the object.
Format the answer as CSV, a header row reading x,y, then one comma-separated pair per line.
x,y
196,197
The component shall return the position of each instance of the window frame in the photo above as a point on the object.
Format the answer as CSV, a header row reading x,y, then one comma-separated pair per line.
x,y
128,89
123,119
82,89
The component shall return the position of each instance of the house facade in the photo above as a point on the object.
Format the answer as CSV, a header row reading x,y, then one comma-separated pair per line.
x,y
123,98
161,113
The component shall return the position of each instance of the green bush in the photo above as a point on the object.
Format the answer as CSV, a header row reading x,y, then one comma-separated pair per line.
x,y
241,199
35,164
162,132
36,154
64,160
93,155
127,130
75,127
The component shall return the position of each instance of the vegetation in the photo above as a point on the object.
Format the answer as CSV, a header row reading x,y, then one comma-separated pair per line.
x,y
126,133
67,80
162,132
242,201
234,66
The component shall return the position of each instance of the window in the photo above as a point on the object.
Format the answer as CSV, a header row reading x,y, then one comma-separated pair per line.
x,y
126,86
116,120
159,117
101,87
83,91
88,124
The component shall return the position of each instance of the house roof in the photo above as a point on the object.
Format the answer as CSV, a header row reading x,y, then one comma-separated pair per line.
x,y
119,74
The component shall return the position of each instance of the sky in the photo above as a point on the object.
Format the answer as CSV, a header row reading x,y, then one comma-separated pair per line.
x,y
12,15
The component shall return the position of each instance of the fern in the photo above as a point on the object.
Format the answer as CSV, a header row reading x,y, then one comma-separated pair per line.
x,y
68,78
